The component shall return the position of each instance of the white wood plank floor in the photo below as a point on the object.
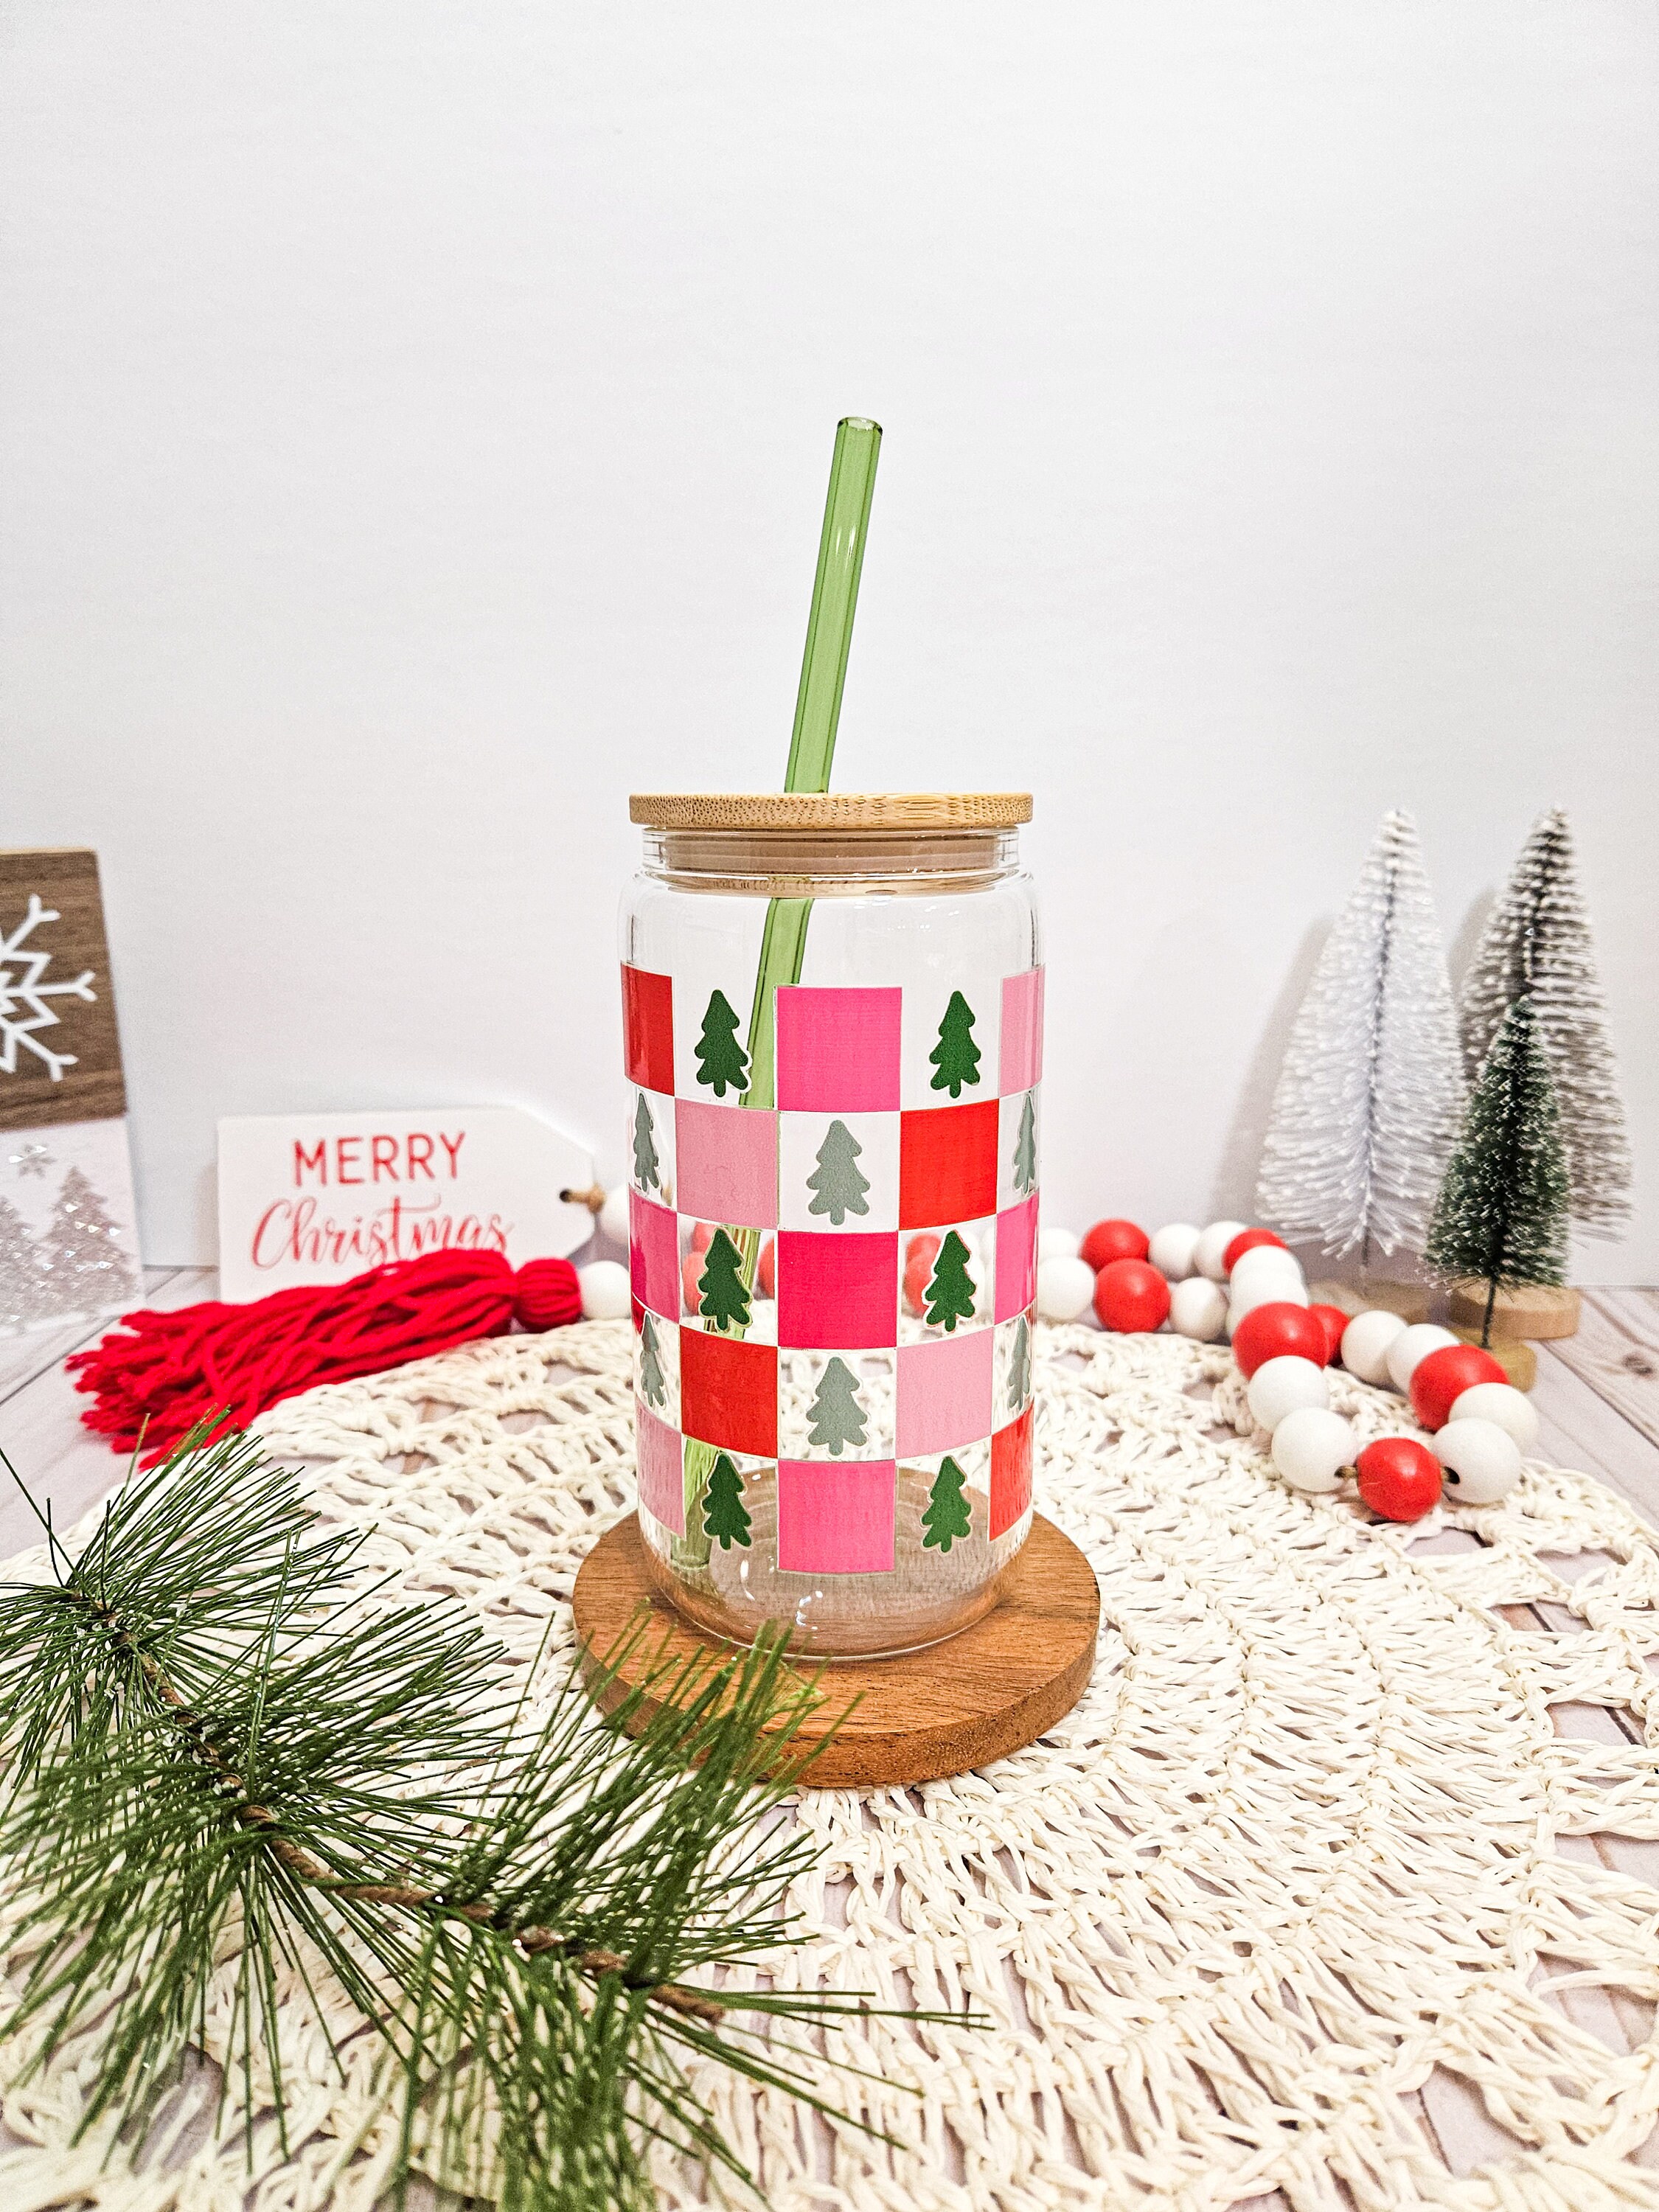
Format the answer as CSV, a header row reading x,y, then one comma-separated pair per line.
x,y
1597,1395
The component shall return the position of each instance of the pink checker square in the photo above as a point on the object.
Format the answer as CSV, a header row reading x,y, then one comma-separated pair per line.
x,y
726,1158
836,1520
944,1393
657,1449
838,1051
837,1293
1017,1233
654,1251
1022,1032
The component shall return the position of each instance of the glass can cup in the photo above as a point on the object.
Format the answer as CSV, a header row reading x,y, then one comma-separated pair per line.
x,y
833,1035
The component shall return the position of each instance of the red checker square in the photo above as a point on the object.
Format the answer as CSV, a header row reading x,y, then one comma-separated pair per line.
x,y
1017,1238
947,1164
648,1028
837,1293
657,1454
729,1392
1011,1472
653,1252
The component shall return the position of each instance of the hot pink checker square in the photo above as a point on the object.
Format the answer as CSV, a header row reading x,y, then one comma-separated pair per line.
x,y
944,1393
838,1051
836,1520
1017,1231
727,1159
1022,1032
837,1293
654,1254
657,1449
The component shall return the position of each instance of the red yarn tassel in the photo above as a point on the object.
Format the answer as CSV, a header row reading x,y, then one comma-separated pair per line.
x,y
158,1374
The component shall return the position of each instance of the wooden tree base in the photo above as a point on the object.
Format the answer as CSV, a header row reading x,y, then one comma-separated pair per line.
x,y
1531,1310
1518,1361
957,1705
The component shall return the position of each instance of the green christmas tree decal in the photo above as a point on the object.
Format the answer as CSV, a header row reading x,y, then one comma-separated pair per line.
x,y
1502,1211
1025,1149
950,1292
722,1063
839,1185
724,1514
647,1168
651,1375
955,1056
836,1416
1019,1367
946,1517
723,1299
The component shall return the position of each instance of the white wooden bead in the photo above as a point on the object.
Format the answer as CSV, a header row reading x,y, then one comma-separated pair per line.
x,y
1482,1462
1285,1293
1172,1249
1057,1245
1282,1386
1412,1345
1065,1288
1198,1308
1311,1446
1365,1343
1501,1402
613,1214
1210,1253
606,1295
1264,1263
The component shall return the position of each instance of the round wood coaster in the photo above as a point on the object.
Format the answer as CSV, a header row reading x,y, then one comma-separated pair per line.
x,y
955,1705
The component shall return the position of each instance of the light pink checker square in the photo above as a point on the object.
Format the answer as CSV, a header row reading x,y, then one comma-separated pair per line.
x,y
654,1251
838,1051
727,1159
1016,1258
1022,1032
836,1520
657,1450
944,1393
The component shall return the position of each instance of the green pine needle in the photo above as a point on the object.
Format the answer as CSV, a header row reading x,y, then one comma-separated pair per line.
x,y
220,1732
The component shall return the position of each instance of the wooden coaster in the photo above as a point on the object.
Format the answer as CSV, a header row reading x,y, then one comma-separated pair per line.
x,y
958,1704
1530,1309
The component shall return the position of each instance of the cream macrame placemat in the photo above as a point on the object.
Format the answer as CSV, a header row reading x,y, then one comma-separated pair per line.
x,y
1295,1849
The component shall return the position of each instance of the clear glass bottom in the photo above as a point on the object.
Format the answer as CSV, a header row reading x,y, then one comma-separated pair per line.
x,y
931,1594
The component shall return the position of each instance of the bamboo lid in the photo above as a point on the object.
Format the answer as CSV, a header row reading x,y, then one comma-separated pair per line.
x,y
830,810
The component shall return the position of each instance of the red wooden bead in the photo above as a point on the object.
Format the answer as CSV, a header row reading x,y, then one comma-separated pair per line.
x,y
1440,1377
919,1254
1114,1240
702,1236
1278,1330
691,1269
1333,1321
767,1274
1399,1478
1246,1241
1130,1295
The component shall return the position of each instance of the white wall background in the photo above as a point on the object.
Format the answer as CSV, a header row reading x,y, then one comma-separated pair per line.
x,y
416,418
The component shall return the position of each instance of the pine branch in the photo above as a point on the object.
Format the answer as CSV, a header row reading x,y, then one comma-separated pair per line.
x,y
214,1717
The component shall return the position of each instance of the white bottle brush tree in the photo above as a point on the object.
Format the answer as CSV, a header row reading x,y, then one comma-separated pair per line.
x,y
1537,944
1368,1101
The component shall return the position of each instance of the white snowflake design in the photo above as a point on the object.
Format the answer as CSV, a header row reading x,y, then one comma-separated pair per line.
x,y
23,996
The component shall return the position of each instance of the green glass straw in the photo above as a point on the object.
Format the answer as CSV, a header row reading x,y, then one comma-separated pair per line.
x,y
811,752
818,712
